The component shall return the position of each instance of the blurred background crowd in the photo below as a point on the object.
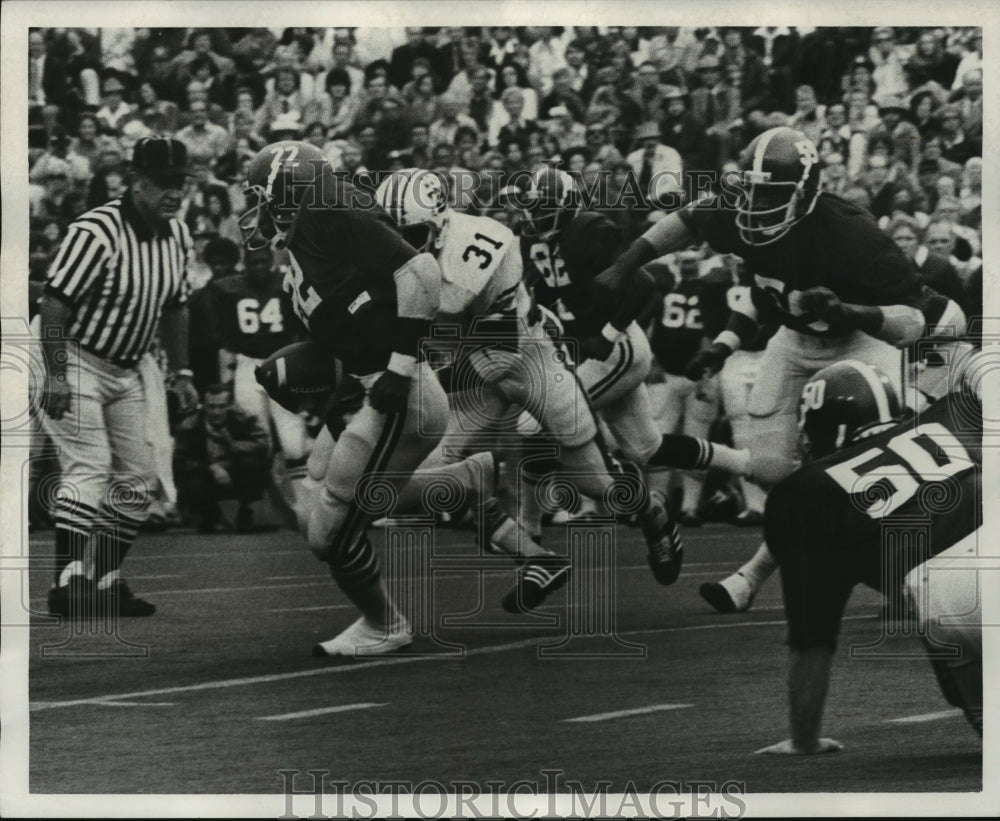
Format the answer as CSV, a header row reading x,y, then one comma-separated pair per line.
x,y
896,113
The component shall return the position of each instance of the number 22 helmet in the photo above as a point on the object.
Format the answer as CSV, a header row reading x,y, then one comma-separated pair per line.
x,y
843,403
283,179
779,182
417,201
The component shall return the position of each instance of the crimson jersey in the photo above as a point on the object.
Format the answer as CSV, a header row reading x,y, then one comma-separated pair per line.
x,y
872,512
342,254
253,321
561,271
838,246
693,309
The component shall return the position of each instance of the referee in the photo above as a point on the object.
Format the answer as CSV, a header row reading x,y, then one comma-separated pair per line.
x,y
120,277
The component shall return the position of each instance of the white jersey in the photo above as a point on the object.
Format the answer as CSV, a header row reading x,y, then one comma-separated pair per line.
x,y
481,263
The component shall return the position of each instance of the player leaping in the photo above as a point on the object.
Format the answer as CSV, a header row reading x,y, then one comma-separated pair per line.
x,y
821,268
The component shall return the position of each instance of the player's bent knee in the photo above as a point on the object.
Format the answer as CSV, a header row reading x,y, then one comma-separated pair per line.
x,y
325,519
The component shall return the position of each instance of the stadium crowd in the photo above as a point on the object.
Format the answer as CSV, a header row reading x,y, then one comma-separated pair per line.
x,y
896,115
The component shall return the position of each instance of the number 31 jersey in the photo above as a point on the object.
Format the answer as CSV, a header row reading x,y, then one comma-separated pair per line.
x,y
253,320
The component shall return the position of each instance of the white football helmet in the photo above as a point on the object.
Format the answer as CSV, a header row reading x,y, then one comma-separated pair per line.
x,y
417,201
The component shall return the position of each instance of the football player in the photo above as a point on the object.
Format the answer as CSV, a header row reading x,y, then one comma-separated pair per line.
x,y
848,516
821,267
563,249
368,298
256,319
512,361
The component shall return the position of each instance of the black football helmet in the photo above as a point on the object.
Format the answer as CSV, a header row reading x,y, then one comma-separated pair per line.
x,y
553,201
283,178
779,179
843,403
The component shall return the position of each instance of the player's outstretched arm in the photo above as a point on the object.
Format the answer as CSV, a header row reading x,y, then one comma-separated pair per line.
x,y
669,234
899,325
808,681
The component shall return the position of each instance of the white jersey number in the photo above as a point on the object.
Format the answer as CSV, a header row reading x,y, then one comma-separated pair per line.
x,y
251,316
917,458
551,267
681,311
305,300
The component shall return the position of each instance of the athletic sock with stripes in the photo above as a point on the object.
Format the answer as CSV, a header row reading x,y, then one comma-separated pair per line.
x,y
691,453
112,544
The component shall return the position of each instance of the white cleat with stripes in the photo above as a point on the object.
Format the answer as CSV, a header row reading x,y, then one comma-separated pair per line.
x,y
540,576
365,639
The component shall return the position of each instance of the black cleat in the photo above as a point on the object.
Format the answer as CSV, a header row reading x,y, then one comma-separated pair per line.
x,y
73,600
540,576
689,519
717,596
118,598
663,542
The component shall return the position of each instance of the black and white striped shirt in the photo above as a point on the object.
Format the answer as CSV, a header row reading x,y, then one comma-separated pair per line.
x,y
118,276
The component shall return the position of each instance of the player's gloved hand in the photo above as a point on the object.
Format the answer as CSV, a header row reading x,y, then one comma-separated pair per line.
x,y
707,361
390,392
822,303
186,393
787,747
596,347
57,396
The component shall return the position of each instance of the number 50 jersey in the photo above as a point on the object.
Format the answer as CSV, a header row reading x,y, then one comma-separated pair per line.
x,y
873,511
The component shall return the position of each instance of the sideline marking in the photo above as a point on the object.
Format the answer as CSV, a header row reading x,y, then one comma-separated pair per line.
x,y
321,711
654,708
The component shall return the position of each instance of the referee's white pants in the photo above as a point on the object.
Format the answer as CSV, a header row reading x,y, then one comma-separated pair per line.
x,y
106,461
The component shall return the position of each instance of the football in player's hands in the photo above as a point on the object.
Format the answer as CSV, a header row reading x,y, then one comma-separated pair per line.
x,y
822,303
390,392
296,372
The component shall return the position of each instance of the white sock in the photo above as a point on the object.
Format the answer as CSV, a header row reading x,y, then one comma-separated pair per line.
x,y
759,569
72,569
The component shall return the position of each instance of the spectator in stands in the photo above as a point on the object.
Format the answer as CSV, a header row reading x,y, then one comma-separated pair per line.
x,y
108,184
940,237
566,131
89,143
200,46
508,122
971,189
442,130
115,112
286,104
934,62
424,106
888,60
647,92
970,60
166,111
575,57
160,74
62,155
922,105
956,146
655,164
862,116
601,148
501,45
562,94
880,187
896,127
512,75
969,99
417,46
746,71
835,179
60,201
205,141
935,268
221,452
807,117
546,55
448,59
337,106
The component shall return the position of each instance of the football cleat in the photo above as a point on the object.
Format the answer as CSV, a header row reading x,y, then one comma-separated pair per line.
x,y
536,580
118,599
732,595
689,518
665,551
73,600
365,639
750,518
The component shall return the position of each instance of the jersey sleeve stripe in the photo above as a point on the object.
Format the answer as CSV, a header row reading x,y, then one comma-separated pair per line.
x,y
77,265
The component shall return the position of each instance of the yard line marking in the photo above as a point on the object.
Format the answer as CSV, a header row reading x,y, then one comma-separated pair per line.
x,y
159,576
305,609
136,703
925,717
634,712
395,660
343,708
287,578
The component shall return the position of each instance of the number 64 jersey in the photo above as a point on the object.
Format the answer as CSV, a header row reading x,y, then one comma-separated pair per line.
x,y
254,320
873,511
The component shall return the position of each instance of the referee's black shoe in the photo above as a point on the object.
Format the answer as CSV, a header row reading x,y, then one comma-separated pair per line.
x,y
73,600
118,598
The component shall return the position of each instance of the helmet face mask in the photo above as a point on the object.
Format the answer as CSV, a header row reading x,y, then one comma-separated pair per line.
x,y
779,185
554,203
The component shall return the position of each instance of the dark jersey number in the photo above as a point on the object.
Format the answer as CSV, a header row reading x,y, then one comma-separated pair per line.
x,y
481,253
